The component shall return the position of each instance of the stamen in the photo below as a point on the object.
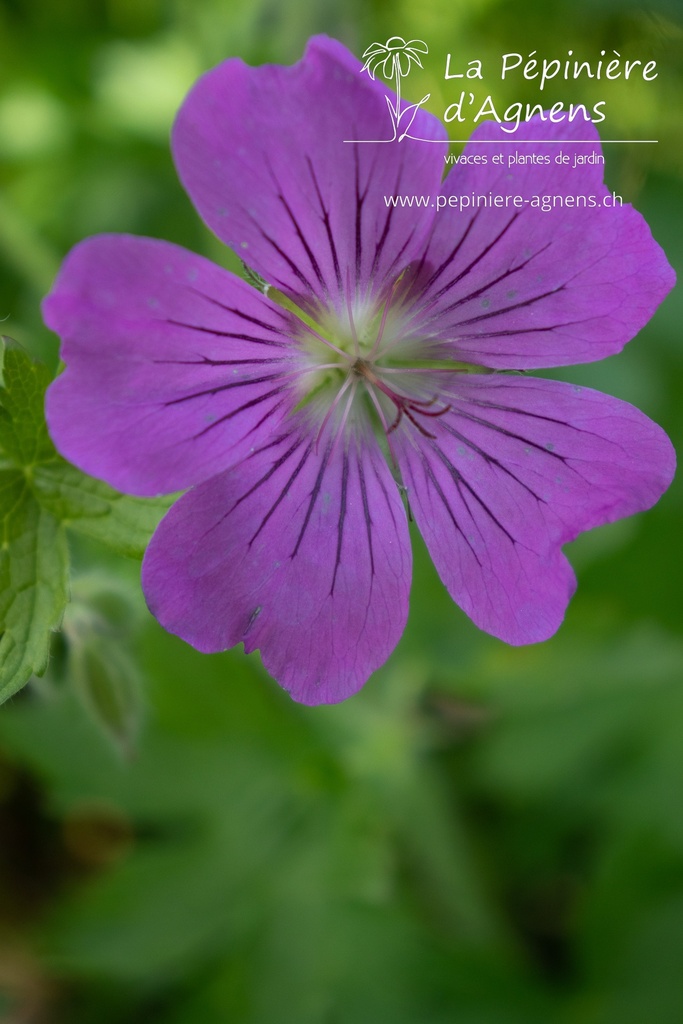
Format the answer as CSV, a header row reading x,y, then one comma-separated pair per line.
x,y
310,369
383,421
405,411
345,386
329,344
397,420
349,403
405,406
422,407
349,309
423,369
385,314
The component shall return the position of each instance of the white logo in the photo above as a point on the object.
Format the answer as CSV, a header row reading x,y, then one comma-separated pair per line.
x,y
394,60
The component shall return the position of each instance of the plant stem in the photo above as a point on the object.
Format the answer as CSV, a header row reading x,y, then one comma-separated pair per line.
x,y
398,91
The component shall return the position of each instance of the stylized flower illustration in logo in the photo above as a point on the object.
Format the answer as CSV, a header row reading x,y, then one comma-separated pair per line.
x,y
394,59
370,363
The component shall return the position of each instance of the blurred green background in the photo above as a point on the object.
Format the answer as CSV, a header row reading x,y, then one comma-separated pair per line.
x,y
484,835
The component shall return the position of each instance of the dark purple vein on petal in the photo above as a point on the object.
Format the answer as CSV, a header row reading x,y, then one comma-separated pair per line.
x,y
507,433
470,266
483,403
223,387
263,419
360,199
286,488
206,361
302,238
399,255
538,416
326,221
281,315
382,241
259,451
342,517
313,497
241,408
506,309
417,270
437,487
492,459
522,330
290,262
436,274
460,481
227,334
379,248
366,512
488,285
463,273
383,488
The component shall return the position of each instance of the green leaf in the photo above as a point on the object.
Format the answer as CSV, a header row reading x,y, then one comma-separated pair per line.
x,y
33,582
40,494
90,506
107,680
98,665
24,439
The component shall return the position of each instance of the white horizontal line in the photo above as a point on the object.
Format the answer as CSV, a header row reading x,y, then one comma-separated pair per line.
x,y
509,142
557,142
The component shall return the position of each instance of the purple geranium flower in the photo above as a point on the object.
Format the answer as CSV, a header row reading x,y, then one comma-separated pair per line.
x,y
299,418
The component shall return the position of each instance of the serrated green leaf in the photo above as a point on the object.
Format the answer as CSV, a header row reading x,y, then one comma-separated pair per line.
x,y
73,498
33,582
40,494
90,506
24,439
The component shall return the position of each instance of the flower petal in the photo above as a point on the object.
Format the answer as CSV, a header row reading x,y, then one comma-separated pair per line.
x,y
303,555
262,153
521,287
515,469
373,49
175,368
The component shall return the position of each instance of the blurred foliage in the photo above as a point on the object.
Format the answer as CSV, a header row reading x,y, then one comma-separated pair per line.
x,y
484,835
40,494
